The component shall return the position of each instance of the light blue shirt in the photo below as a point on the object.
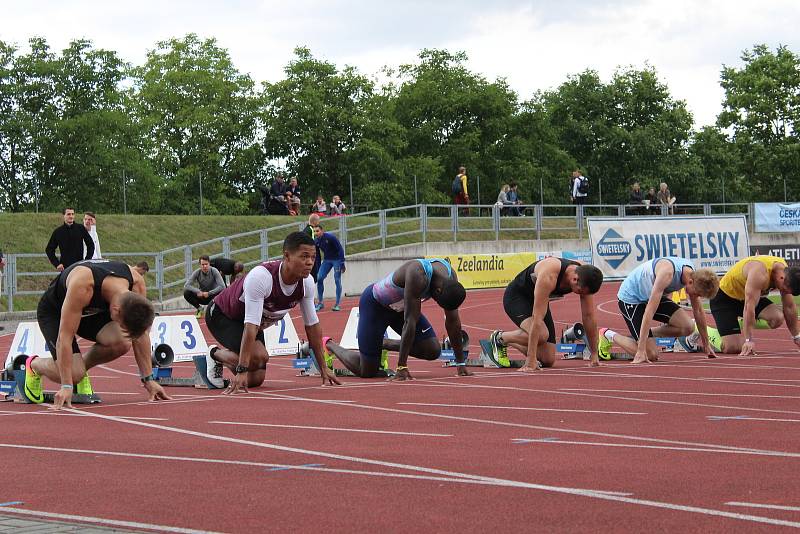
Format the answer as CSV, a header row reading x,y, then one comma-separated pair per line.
x,y
638,286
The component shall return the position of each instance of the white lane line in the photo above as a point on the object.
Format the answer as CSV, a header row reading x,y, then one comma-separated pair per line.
x,y
100,521
320,469
144,403
748,418
118,371
618,397
455,474
551,429
539,441
769,506
334,429
711,380
695,393
492,407
66,414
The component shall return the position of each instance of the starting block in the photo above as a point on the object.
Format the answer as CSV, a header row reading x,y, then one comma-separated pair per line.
x,y
13,391
199,379
307,363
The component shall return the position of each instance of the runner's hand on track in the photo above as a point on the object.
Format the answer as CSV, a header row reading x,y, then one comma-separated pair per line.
x,y
329,376
155,391
797,341
463,371
62,399
237,385
709,351
748,349
401,375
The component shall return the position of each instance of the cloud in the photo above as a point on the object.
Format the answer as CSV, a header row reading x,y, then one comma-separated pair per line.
x,y
534,45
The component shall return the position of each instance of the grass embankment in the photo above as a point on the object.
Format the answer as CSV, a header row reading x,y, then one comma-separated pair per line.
x,y
28,233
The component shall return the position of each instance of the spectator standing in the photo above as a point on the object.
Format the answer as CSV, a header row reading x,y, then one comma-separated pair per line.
x,y
203,285
69,239
90,223
337,206
333,253
313,222
650,200
513,197
580,187
665,198
228,267
636,197
319,206
460,190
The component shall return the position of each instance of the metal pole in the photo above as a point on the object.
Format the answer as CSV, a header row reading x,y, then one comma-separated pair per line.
x,y
723,194
352,206
600,189
541,192
416,197
200,180
784,191
479,190
124,195
36,192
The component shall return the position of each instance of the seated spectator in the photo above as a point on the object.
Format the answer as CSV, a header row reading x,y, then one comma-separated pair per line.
x,y
319,206
651,200
502,199
513,198
636,198
208,284
337,206
290,203
228,267
295,190
666,198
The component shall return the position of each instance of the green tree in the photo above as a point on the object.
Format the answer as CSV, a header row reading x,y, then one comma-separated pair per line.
x,y
314,117
202,117
628,130
762,108
454,116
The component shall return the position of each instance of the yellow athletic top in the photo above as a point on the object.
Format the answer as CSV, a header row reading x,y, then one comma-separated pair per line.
x,y
464,184
734,280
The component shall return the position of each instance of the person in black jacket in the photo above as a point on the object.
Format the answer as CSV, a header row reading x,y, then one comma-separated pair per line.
x,y
69,238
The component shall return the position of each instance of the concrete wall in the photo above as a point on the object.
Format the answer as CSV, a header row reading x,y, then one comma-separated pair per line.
x,y
368,267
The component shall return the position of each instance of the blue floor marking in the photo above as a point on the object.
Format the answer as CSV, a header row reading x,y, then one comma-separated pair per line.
x,y
288,468
12,503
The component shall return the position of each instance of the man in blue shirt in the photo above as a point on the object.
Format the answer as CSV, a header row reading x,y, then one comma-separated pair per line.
x,y
333,258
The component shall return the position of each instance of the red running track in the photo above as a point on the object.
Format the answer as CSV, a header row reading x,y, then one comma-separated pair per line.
x,y
687,444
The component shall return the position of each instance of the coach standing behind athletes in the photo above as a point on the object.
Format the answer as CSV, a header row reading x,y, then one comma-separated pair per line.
x,y
69,238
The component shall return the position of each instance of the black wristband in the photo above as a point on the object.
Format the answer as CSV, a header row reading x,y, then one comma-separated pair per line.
x,y
240,369
146,379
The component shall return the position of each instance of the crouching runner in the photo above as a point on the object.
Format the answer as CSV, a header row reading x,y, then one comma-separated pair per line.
x,y
239,314
396,301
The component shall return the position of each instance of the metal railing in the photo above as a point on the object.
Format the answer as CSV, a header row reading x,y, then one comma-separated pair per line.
x,y
27,275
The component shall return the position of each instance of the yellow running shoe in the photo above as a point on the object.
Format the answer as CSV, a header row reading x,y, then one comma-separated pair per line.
x,y
329,357
84,387
499,351
604,346
714,338
384,359
33,383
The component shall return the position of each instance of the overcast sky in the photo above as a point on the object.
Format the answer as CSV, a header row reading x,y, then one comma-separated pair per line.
x,y
534,45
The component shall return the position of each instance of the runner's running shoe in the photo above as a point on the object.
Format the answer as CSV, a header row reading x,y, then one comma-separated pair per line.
x,y
499,353
84,387
33,383
329,357
384,359
604,346
214,369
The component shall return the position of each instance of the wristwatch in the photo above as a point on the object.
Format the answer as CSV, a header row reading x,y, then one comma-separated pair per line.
x,y
146,379
240,369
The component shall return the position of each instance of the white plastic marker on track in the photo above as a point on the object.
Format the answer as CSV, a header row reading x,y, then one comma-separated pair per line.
x,y
455,474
